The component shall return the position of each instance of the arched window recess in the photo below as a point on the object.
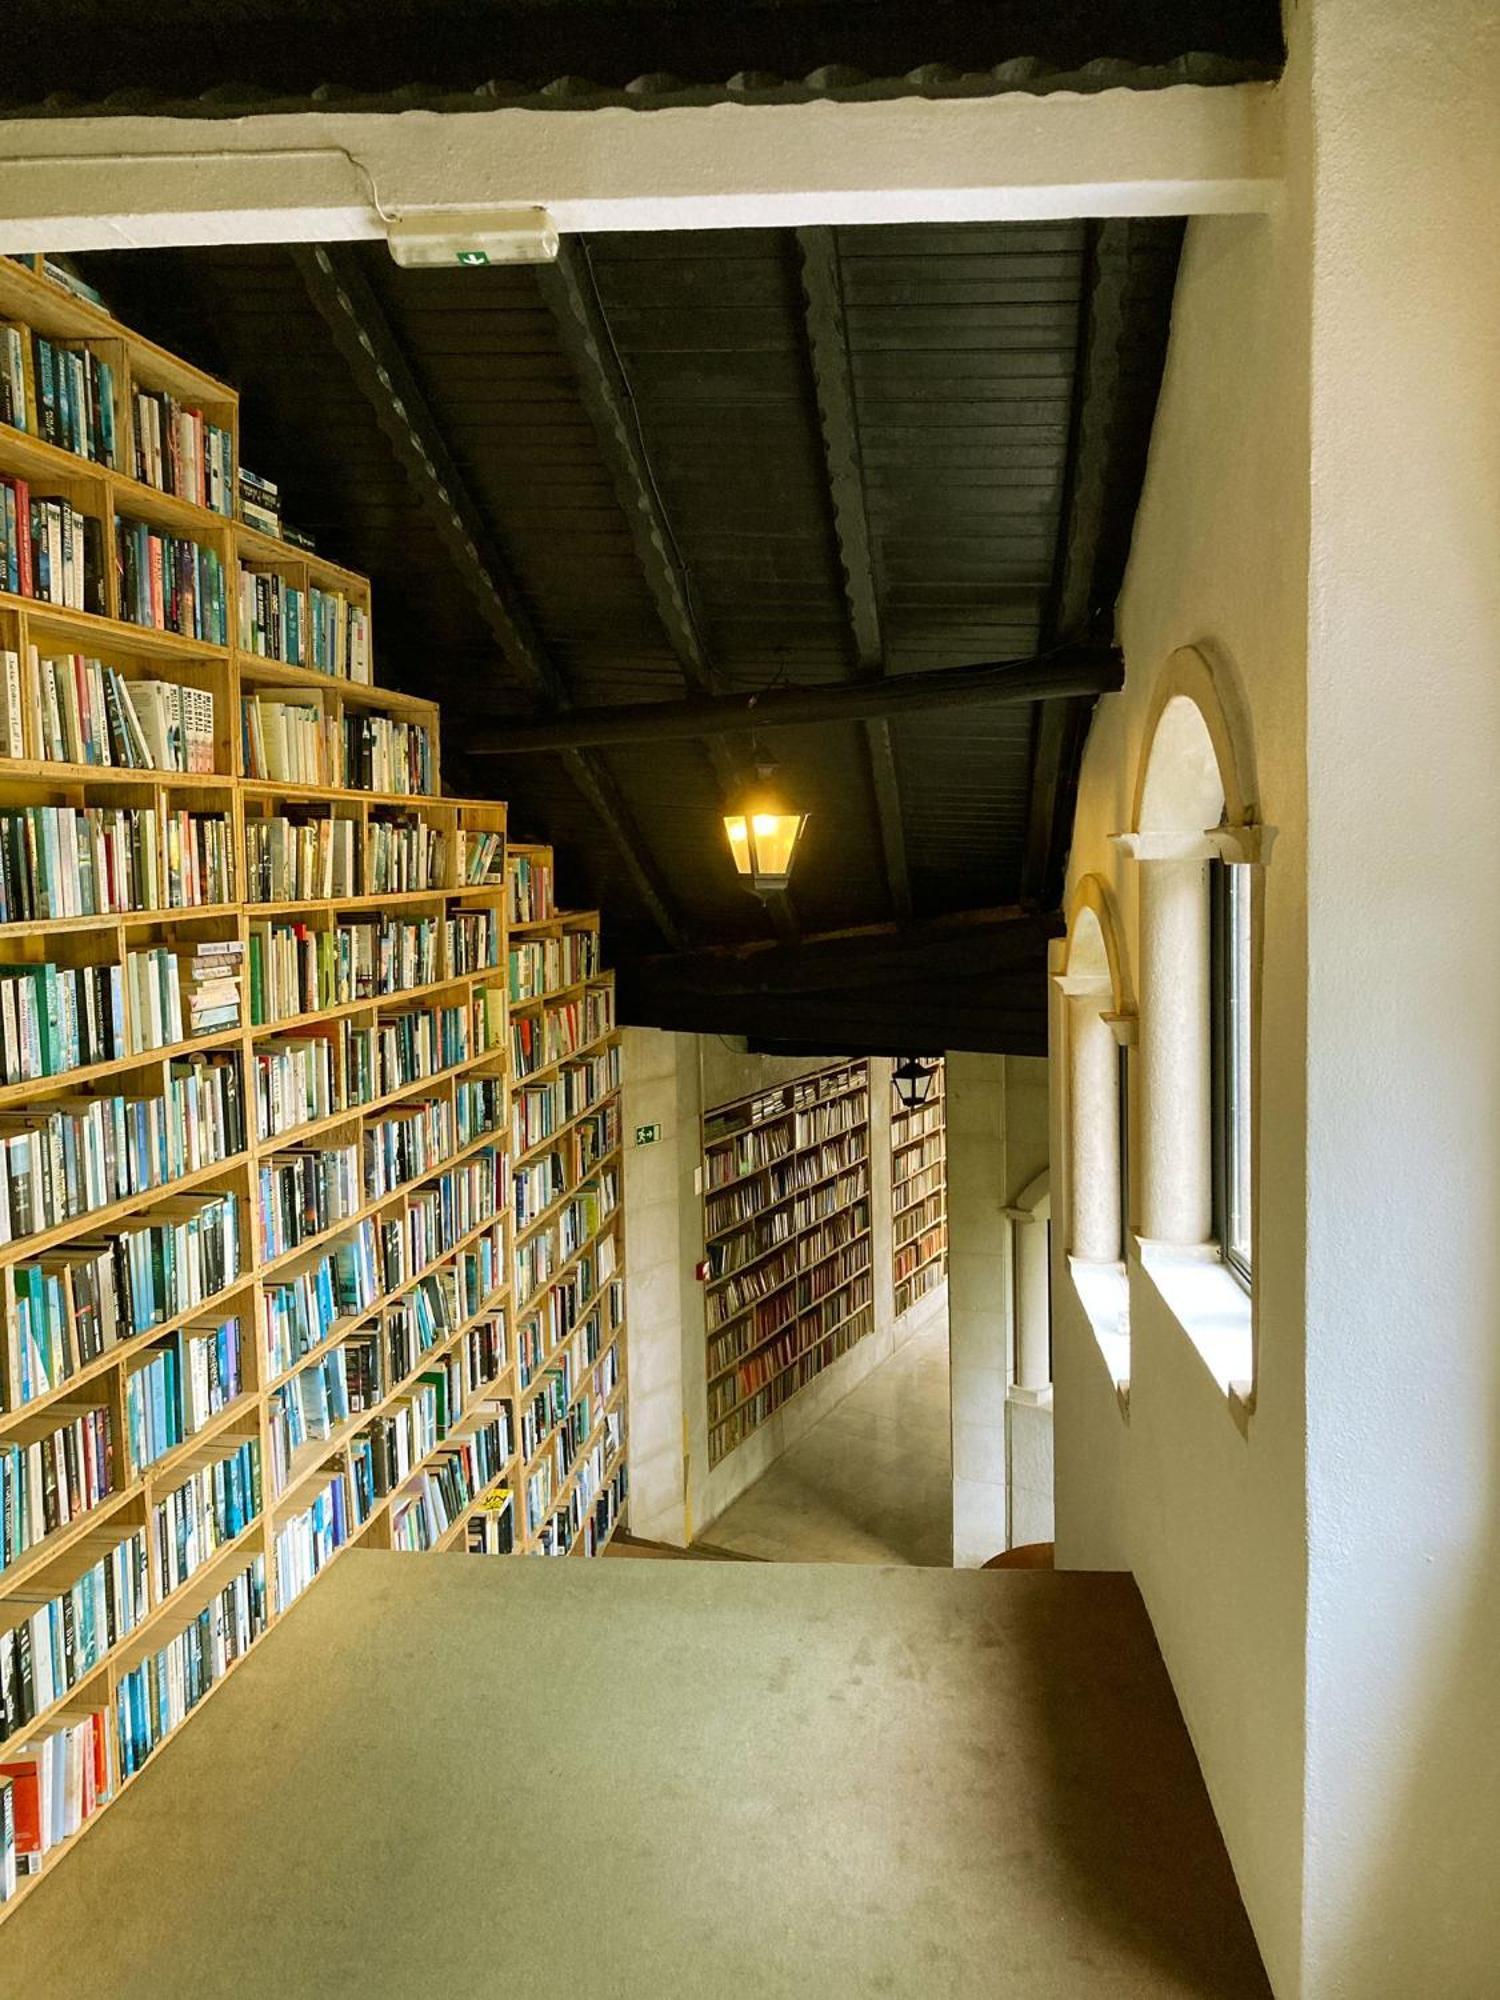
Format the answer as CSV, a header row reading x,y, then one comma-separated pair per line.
x,y
1201,850
1099,1031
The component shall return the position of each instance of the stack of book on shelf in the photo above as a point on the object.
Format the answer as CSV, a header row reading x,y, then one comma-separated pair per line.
x,y
259,502
211,982
62,393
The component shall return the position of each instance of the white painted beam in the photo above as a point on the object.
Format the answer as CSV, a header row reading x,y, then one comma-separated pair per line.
x,y
131,182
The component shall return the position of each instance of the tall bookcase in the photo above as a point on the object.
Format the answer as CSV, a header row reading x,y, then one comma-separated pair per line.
x,y
786,1198
310,1227
919,1194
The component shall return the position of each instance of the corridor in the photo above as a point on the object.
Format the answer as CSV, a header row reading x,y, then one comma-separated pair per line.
x,y
870,1483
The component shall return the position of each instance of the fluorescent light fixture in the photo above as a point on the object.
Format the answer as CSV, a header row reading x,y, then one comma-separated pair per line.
x,y
456,236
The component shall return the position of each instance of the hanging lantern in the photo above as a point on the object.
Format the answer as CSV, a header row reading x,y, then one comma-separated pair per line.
x,y
764,835
913,1077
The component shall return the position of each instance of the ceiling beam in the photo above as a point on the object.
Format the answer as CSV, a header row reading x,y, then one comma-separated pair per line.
x,y
344,298
827,331
1070,670
313,176
572,297
975,980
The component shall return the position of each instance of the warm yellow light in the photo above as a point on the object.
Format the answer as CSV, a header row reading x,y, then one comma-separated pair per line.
x,y
763,843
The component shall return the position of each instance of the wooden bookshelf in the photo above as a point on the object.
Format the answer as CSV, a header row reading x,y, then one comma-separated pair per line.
x,y
786,1207
374,1288
919,1194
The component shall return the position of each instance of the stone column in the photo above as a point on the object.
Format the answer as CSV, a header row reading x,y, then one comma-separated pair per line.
x,y
979,1280
1176,1204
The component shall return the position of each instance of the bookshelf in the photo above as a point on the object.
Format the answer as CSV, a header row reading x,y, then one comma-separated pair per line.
x,y
786,1209
310,1234
919,1194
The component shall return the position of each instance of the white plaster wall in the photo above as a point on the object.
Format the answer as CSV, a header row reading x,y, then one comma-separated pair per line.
x,y
1212,1520
1403,1139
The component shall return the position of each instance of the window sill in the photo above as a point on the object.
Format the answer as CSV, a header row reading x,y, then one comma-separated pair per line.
x,y
1104,1293
1213,1309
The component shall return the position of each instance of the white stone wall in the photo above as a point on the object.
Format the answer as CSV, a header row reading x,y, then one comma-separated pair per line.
x,y
1323,505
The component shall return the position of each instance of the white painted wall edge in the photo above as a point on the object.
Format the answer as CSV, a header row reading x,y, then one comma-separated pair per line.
x,y
121,183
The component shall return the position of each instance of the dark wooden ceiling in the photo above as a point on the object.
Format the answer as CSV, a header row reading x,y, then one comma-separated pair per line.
x,y
227,57
718,461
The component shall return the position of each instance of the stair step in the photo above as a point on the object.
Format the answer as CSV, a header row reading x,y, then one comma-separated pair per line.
x,y
632,1545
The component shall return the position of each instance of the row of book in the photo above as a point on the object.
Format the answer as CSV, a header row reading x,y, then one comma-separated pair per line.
x,y
67,1633
550,1319
212,1507
745,1283
153,1698
170,583
53,1480
178,450
784,1308
57,1018
322,859
444,1491
92,861
730,1430
609,1503
48,549
308,627
49,1790
295,969
290,742
924,1123
481,855
77,1304
307,1543
914,1187
798,1341
383,754
374,1260
61,1162
540,967
69,708
393,1444
918,1218
61,392
557,1535
921,1250
529,889
473,941
540,1110
806,1170
185,1380
538,1041
745,1153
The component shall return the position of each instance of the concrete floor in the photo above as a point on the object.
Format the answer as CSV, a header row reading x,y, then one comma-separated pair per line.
x,y
664,1781
871,1483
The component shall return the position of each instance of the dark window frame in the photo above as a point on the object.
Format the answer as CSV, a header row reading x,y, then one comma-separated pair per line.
x,y
1232,1093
